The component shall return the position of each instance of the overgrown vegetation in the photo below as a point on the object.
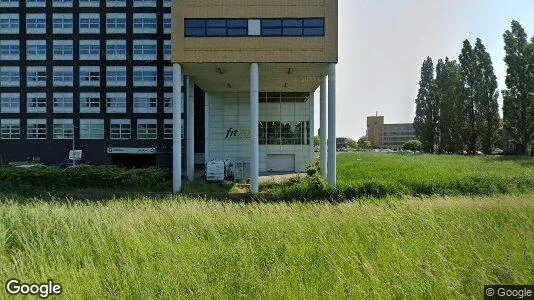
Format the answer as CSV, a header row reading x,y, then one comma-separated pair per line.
x,y
177,248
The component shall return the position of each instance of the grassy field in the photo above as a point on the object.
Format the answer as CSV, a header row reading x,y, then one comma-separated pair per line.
x,y
182,248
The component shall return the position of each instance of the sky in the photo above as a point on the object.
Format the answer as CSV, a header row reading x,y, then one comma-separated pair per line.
x,y
382,44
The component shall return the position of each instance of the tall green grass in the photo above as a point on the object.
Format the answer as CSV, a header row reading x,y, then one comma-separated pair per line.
x,y
180,248
367,174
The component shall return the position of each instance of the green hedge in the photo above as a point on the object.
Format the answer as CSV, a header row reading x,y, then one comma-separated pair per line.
x,y
85,177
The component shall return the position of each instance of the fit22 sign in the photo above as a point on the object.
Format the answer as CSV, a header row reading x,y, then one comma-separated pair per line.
x,y
233,133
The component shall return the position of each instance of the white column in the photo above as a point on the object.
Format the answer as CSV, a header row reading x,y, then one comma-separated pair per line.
x,y
190,143
254,116
312,125
332,124
323,129
177,128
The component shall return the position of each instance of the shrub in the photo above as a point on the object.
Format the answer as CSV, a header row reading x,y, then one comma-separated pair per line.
x,y
413,145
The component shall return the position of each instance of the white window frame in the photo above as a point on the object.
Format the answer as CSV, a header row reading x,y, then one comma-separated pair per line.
x,y
62,49
36,76
63,19
13,24
9,76
145,23
90,20
111,45
63,76
9,50
63,129
93,46
10,103
145,103
38,45
145,50
35,129
145,76
116,76
36,30
113,20
36,103
63,103
88,126
120,129
90,76
9,129
147,129
116,102
88,102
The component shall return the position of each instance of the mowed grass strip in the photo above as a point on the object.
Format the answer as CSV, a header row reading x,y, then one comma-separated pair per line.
x,y
183,248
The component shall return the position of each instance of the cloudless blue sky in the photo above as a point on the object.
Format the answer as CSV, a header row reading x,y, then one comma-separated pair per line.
x,y
382,44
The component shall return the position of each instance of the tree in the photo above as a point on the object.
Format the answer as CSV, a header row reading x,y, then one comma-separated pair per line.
x,y
518,107
486,99
364,142
316,140
469,77
452,114
425,121
413,145
351,143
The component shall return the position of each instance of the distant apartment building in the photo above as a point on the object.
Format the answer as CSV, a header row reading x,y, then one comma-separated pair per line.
x,y
384,135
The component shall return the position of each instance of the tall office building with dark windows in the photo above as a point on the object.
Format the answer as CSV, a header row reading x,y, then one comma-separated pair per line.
x,y
93,73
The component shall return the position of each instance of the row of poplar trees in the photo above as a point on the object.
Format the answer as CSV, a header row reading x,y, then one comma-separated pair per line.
x,y
457,106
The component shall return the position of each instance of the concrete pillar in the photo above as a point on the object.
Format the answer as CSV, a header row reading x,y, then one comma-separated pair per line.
x,y
332,124
190,136
323,129
312,125
177,128
254,116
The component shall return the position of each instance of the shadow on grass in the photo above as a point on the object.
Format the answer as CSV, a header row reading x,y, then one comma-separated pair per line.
x,y
524,161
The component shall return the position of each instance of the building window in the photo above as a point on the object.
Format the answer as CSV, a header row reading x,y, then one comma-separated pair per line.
x,y
145,103
9,50
35,3
116,23
62,3
62,23
116,76
9,129
167,23
63,76
36,23
9,76
292,27
89,102
167,50
283,133
36,129
9,23
167,103
9,103
92,129
216,27
9,3
115,49
167,129
167,76
144,23
145,49
89,76
90,50
89,3
120,129
89,23
145,76
147,129
63,103
116,103
141,3
36,50
116,3
63,129
62,50
36,103
36,76
167,3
